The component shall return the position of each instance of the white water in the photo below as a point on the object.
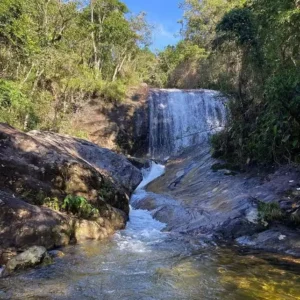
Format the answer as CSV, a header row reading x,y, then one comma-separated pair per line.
x,y
155,171
180,119
143,263
142,230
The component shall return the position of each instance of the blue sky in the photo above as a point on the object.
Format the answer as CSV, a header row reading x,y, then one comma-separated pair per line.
x,y
164,14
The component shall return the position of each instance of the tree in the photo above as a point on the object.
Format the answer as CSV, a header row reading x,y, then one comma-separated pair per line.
x,y
59,54
201,17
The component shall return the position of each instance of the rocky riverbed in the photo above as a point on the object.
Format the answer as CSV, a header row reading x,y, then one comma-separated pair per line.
x,y
199,196
150,260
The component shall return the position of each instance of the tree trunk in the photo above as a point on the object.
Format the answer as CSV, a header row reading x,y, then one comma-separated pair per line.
x,y
96,61
118,68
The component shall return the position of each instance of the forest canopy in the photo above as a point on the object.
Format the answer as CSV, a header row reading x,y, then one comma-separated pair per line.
x,y
56,55
249,50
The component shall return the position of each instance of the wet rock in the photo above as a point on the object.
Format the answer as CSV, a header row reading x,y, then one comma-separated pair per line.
x,y
56,254
2,271
140,163
205,202
100,228
229,173
29,258
279,239
225,166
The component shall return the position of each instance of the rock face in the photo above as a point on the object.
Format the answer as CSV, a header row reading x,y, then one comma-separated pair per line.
x,y
44,164
277,239
119,126
39,166
195,199
192,198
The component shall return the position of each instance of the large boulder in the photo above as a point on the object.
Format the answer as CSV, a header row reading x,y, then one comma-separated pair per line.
x,y
23,225
39,167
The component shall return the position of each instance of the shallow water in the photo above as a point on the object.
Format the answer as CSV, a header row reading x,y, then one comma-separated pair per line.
x,y
143,262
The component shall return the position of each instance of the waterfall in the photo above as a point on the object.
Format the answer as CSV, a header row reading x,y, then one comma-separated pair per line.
x,y
183,118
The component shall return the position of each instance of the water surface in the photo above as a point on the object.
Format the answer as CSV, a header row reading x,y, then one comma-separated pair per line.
x,y
143,262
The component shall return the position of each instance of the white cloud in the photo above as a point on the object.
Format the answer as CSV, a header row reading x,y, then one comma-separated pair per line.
x,y
163,36
163,32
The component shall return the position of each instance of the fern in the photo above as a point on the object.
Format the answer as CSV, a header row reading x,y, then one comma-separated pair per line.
x,y
79,206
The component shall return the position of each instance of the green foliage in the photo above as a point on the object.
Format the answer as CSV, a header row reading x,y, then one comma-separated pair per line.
x,y
269,212
79,206
52,203
201,17
237,24
264,124
76,205
249,50
173,58
57,55
15,107
114,90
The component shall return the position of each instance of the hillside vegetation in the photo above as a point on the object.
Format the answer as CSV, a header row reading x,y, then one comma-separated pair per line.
x,y
56,55
249,50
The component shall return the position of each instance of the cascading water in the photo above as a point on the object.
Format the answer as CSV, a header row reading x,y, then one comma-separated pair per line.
x,y
180,119
141,262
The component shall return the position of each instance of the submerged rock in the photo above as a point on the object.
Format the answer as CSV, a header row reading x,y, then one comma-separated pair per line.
x,y
278,239
29,258
56,254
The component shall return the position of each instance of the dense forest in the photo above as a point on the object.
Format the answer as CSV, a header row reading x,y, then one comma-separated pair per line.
x,y
56,55
249,50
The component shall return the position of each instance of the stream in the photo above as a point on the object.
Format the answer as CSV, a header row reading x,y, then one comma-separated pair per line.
x,y
144,262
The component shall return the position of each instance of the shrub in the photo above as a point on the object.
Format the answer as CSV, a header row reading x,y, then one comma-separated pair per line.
x,y
52,203
269,212
79,206
114,91
15,107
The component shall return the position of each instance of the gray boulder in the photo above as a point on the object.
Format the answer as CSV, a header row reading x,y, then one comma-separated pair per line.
x,y
29,258
38,165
